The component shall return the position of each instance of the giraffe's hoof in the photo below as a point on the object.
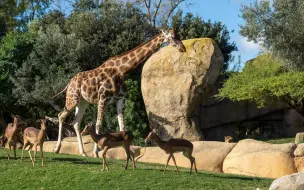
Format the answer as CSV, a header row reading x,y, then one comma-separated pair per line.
x,y
56,150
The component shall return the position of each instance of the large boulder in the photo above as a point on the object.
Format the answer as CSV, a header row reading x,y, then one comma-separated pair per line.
x,y
209,155
299,138
299,163
174,83
255,158
299,152
289,182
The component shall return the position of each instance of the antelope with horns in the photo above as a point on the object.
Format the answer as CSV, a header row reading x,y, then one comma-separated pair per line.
x,y
111,140
34,137
11,134
172,146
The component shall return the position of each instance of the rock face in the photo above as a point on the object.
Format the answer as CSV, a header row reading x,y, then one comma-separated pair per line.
x,y
209,155
299,138
174,83
299,163
289,182
299,152
255,158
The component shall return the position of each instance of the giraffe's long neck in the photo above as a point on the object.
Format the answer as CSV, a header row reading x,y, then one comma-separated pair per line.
x,y
131,59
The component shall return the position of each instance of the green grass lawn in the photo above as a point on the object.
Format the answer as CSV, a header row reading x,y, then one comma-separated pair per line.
x,y
74,172
280,140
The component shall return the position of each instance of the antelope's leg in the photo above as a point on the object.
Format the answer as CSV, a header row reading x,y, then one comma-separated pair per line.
x,y
29,151
167,163
24,146
41,154
14,147
9,151
35,153
175,163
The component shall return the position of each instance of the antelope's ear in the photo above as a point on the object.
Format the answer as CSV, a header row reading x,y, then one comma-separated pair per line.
x,y
38,120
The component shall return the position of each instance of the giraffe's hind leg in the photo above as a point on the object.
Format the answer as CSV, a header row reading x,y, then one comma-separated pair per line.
x,y
71,102
80,110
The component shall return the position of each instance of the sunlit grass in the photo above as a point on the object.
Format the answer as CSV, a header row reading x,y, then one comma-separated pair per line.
x,y
76,172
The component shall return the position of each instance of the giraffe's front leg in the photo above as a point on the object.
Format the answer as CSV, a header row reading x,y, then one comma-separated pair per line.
x,y
120,104
101,109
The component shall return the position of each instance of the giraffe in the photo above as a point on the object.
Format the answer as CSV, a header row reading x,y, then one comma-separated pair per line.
x,y
103,85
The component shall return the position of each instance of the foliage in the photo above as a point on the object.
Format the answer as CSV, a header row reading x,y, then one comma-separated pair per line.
x,y
265,81
280,140
14,49
18,13
53,61
279,26
74,172
83,41
191,26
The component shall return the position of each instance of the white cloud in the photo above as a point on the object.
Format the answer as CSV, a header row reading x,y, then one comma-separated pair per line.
x,y
247,46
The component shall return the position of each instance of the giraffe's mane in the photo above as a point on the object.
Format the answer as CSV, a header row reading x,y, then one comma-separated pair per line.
x,y
133,49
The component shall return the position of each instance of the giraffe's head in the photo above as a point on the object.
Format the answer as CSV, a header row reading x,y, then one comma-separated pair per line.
x,y
172,38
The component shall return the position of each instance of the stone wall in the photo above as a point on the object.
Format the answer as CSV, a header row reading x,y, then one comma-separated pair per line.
x,y
221,118
247,157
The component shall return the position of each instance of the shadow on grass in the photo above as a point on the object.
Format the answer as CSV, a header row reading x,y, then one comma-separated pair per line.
x,y
75,160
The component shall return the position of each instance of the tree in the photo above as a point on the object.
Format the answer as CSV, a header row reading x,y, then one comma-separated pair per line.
x,y
84,42
159,12
266,82
279,26
14,49
194,27
18,13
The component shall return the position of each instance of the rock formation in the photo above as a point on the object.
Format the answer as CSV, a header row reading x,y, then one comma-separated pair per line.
x,y
174,83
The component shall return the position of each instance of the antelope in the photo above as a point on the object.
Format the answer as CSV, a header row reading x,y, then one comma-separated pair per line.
x,y
11,134
34,137
172,146
228,139
110,140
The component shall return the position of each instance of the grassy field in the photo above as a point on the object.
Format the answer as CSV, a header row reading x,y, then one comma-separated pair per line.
x,y
280,140
75,172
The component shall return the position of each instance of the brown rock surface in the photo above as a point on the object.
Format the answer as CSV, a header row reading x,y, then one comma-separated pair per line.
x,y
299,163
255,158
174,83
299,152
85,139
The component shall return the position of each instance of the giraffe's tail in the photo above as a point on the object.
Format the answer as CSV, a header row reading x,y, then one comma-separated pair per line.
x,y
61,91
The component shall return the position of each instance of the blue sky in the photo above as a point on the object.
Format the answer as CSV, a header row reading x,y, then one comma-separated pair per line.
x,y
227,12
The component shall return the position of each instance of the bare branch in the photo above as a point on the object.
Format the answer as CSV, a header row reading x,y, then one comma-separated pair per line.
x,y
156,11
148,6
171,11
